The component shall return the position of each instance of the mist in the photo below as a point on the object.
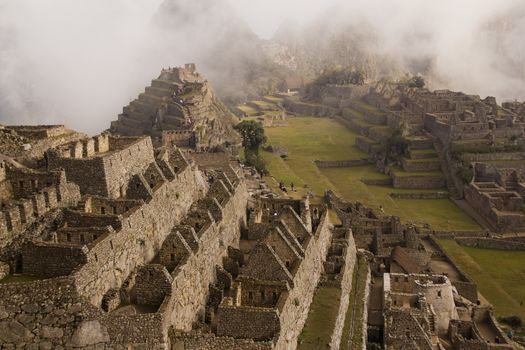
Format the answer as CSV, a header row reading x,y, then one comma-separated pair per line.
x,y
78,62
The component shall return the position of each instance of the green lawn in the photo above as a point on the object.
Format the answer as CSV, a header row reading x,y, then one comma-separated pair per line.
x,y
247,109
309,139
368,107
274,99
499,274
400,172
441,214
263,104
320,324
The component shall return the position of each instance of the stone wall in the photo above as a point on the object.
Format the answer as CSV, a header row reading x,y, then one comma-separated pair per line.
x,y
106,174
52,260
142,234
295,310
365,144
380,182
346,288
418,182
437,128
366,301
420,165
340,163
490,243
4,270
465,286
15,218
208,341
248,322
191,280
485,157
44,314
421,195
304,108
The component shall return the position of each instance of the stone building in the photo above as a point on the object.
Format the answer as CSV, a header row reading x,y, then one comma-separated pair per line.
x,y
130,250
28,195
425,312
284,247
497,193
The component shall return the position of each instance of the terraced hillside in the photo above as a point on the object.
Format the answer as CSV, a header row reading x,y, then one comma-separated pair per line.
x,y
308,139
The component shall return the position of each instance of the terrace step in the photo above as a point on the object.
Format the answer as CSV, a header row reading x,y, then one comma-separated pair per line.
x,y
422,154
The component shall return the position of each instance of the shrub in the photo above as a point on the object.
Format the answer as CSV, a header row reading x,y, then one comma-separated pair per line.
x,y
512,321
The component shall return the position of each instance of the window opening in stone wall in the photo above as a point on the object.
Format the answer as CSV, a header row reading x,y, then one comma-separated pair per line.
x,y
172,257
82,239
262,295
46,199
102,210
111,244
9,223
68,237
250,295
22,214
114,210
21,184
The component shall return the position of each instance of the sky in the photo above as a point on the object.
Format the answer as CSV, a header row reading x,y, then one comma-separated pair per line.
x,y
79,62
265,16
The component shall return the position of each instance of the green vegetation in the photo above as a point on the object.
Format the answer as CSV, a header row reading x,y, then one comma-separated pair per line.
x,y
248,110
309,139
416,82
499,274
400,172
357,296
252,134
263,104
368,107
428,151
320,324
274,99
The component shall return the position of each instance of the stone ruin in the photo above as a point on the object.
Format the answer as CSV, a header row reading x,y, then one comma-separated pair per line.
x,y
463,134
118,242
130,249
498,195
419,298
426,312
179,108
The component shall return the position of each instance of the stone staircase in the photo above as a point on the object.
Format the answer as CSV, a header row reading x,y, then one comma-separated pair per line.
x,y
452,182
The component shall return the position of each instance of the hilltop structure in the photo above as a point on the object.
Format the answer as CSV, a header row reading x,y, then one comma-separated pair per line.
x,y
179,108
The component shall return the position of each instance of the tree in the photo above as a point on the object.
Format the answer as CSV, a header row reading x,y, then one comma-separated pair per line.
x,y
252,134
417,81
